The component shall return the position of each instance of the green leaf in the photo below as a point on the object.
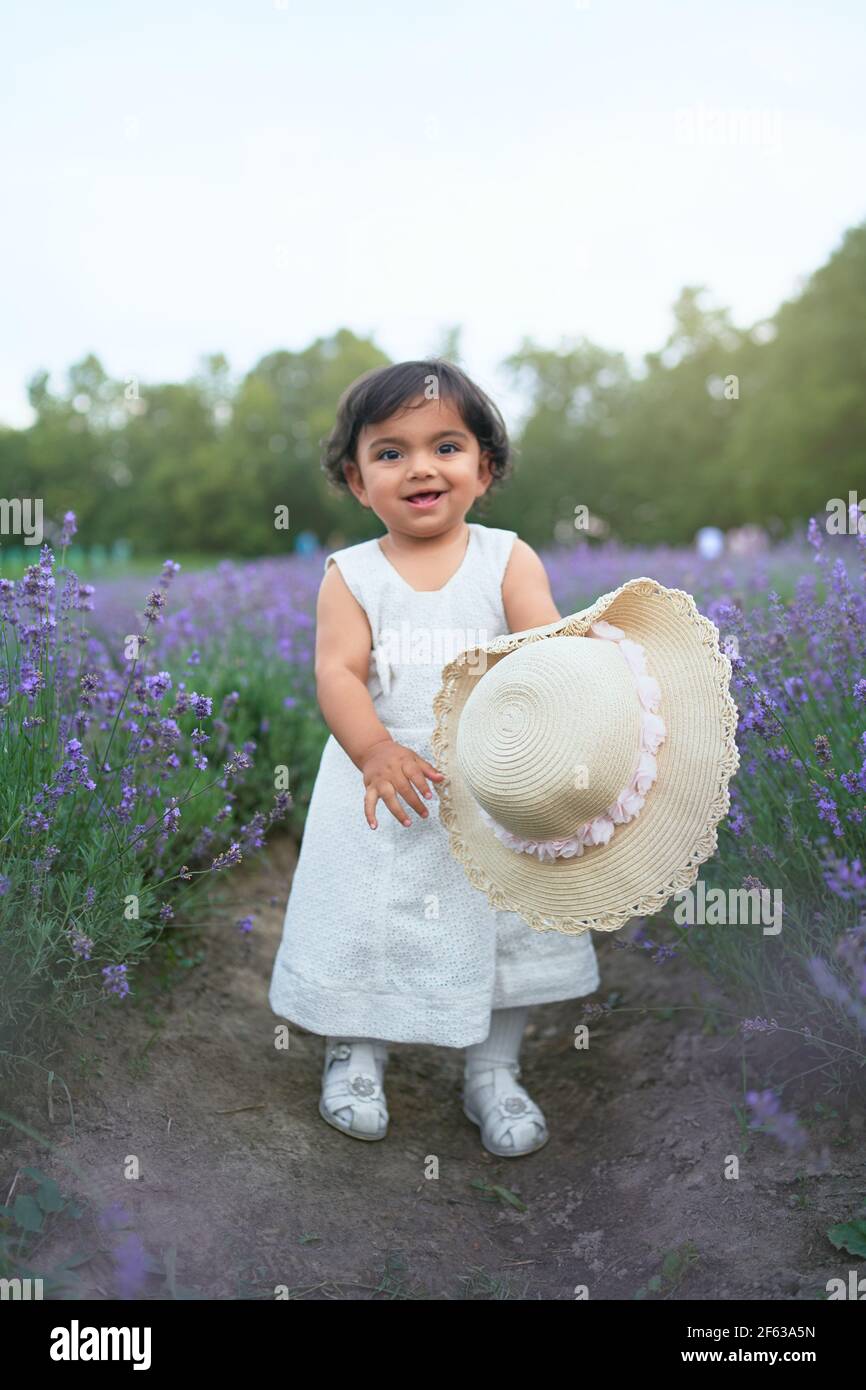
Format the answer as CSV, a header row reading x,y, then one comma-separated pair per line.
x,y
850,1236
49,1197
510,1197
27,1214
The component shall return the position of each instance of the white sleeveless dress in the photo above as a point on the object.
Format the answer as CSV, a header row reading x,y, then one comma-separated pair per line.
x,y
384,936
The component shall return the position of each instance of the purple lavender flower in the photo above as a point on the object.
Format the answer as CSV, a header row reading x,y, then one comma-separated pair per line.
x,y
596,1010
663,953
253,834
768,1114
131,1266
833,989
822,748
114,1217
81,944
737,823
238,760
154,605
282,803
845,879
156,686
115,980
795,687
245,924
229,857
827,809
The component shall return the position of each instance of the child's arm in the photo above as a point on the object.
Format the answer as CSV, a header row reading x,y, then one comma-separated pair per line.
x,y
343,645
526,592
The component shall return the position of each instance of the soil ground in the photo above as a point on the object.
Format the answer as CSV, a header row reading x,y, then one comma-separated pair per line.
x,y
242,1179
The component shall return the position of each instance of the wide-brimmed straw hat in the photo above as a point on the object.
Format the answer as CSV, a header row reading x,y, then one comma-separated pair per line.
x,y
587,762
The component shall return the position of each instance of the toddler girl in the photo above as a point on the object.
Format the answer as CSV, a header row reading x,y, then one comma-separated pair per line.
x,y
385,939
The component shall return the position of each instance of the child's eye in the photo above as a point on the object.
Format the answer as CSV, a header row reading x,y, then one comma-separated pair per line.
x,y
445,445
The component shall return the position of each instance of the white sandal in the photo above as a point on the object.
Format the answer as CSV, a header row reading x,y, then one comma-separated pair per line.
x,y
358,1089
511,1123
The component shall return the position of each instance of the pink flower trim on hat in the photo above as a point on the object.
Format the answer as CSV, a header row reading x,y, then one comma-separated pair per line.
x,y
631,799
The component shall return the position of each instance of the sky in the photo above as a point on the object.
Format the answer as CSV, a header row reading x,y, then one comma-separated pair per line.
x,y
248,175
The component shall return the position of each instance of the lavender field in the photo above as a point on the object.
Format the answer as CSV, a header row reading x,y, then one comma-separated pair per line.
x,y
155,738
152,740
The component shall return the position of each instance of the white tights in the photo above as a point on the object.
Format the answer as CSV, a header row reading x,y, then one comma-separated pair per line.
x,y
500,1048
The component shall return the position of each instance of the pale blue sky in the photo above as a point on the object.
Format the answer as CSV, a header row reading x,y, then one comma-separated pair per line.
x,y
246,175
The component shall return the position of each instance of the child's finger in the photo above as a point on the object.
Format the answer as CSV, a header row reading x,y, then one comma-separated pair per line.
x,y
407,791
430,769
371,796
389,796
417,778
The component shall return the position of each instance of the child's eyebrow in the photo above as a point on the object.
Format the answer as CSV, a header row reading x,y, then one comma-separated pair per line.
x,y
440,434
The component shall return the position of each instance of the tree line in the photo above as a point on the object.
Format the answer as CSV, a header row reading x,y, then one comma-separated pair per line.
x,y
723,425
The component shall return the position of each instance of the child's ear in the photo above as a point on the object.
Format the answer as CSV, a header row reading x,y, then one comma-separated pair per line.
x,y
352,474
485,476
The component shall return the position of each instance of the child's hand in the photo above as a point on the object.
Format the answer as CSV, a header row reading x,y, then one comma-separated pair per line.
x,y
389,768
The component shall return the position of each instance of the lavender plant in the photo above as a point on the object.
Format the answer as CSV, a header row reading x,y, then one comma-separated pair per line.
x,y
796,822
246,631
118,799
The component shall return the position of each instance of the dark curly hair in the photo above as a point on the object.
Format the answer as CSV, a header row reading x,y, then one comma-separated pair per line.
x,y
383,391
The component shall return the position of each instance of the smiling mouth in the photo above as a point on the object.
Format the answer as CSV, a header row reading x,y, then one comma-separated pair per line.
x,y
424,499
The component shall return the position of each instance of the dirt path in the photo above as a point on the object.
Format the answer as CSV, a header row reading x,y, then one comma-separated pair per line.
x,y
241,1176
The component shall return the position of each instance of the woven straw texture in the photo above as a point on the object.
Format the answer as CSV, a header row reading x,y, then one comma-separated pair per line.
x,y
660,852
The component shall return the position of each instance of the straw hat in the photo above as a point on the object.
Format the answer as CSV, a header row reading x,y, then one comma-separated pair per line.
x,y
587,762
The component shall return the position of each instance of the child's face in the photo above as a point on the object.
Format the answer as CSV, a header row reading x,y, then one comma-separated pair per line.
x,y
427,447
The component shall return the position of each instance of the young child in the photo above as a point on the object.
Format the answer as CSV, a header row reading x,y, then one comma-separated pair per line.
x,y
385,939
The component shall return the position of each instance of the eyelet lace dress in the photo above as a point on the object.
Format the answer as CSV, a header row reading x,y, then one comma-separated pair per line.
x,y
384,936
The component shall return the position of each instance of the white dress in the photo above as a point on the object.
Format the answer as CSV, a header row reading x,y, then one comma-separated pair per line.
x,y
384,936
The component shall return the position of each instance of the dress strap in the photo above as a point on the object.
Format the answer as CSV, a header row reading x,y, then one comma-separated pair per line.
x,y
354,563
495,545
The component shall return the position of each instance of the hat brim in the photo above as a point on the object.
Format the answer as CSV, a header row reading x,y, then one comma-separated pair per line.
x,y
660,852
